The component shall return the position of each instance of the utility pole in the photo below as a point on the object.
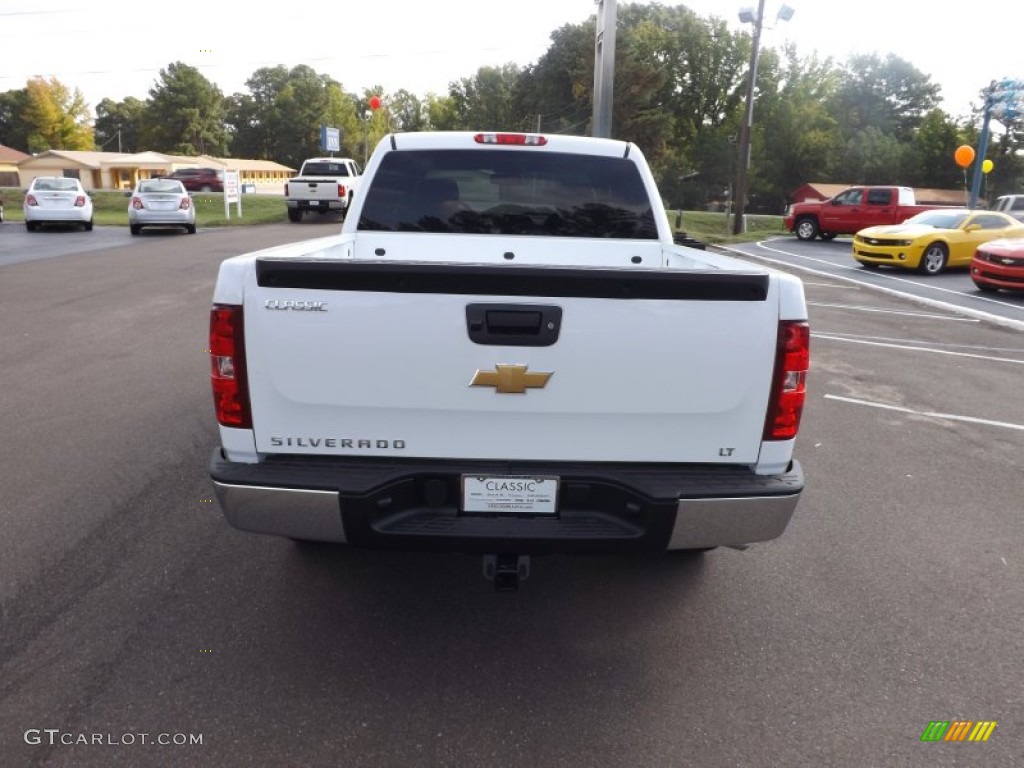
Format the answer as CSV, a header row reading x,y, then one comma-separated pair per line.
x,y
604,68
743,167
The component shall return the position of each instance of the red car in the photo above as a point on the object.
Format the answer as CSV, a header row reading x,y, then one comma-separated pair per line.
x,y
999,264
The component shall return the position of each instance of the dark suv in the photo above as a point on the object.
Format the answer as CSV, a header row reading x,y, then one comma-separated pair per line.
x,y
200,179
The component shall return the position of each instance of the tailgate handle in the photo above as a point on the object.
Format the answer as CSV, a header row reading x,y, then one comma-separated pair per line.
x,y
513,325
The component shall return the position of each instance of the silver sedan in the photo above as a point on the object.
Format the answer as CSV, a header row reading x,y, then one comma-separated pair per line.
x,y
161,203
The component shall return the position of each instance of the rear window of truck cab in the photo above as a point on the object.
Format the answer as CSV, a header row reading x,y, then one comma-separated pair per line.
x,y
325,169
504,192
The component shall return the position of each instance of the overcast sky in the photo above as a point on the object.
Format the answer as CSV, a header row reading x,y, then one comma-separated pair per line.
x,y
117,49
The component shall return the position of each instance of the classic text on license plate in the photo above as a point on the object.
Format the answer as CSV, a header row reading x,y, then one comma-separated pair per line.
x,y
509,495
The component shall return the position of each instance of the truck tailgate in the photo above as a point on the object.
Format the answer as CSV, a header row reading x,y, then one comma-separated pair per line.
x,y
314,189
517,363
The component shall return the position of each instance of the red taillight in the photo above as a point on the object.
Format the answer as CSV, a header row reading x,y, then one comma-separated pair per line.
x,y
31,200
792,361
227,367
516,139
185,204
80,201
341,191
137,203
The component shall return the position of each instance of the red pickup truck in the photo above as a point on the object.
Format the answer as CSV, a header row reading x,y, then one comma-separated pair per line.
x,y
852,210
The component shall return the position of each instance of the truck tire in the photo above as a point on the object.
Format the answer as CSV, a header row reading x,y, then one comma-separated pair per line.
x,y
934,259
806,228
294,215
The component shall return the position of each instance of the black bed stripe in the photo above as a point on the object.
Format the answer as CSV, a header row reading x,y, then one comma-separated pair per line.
x,y
503,280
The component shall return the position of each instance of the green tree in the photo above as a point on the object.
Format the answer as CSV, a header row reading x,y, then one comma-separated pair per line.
x,y
795,136
485,101
254,119
1006,151
556,90
930,153
677,92
872,156
441,113
119,124
186,114
890,95
55,117
281,116
408,112
14,130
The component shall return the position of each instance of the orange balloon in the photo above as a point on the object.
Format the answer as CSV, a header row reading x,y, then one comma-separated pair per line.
x,y
964,155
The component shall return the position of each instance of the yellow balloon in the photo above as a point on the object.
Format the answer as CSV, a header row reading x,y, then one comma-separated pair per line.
x,y
987,166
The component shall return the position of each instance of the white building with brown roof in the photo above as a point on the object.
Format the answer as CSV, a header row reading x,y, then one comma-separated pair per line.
x,y
9,159
121,170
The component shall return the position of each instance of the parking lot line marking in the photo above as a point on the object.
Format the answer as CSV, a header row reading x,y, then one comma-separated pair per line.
x,y
932,414
913,348
831,286
927,315
995,319
1012,350
881,275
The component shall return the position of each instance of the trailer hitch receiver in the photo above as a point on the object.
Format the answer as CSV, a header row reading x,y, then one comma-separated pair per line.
x,y
506,571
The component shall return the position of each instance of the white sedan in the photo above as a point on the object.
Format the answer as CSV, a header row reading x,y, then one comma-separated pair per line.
x,y
161,202
57,200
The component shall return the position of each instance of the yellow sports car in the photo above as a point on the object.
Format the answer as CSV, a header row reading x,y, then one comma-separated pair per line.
x,y
933,240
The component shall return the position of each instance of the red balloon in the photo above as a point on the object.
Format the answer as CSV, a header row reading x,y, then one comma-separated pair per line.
x,y
375,102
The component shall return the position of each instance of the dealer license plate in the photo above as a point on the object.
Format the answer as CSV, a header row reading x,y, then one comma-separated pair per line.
x,y
523,495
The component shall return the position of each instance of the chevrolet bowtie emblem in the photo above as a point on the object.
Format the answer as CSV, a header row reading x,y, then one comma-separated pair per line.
x,y
511,379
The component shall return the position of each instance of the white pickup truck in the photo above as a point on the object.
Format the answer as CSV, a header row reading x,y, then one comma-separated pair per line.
x,y
503,352
324,184
1012,205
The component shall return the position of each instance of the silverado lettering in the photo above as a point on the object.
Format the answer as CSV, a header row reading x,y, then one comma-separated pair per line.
x,y
332,442
671,424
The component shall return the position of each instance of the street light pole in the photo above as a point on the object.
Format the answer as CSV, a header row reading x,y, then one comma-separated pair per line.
x,y
366,135
743,166
604,68
746,130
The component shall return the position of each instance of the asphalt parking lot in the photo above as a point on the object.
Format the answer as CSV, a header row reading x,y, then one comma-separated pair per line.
x,y
129,606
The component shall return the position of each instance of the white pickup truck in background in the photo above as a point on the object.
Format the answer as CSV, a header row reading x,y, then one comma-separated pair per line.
x,y
504,353
324,184
1012,205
